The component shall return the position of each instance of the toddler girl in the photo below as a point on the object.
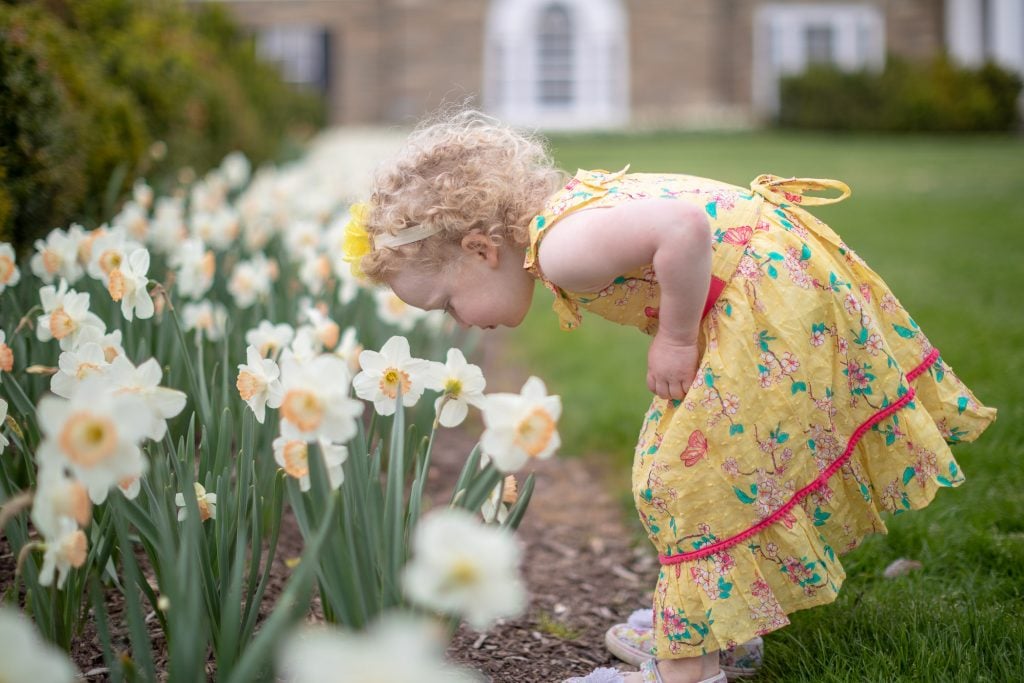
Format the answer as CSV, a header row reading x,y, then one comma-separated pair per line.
x,y
795,398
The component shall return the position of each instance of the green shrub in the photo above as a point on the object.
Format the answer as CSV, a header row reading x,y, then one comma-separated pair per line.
x,y
89,85
937,96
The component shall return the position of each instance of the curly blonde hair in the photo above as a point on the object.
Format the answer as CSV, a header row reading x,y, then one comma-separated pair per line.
x,y
459,172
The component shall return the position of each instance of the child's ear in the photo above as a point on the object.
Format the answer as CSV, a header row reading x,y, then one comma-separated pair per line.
x,y
480,245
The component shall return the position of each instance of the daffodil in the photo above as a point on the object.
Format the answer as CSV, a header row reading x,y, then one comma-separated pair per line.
x,y
66,550
207,503
26,656
250,281
461,384
95,435
107,253
56,257
327,331
393,310
167,229
59,496
319,654
518,427
259,383
316,403
385,372
235,168
194,267
292,454
74,366
6,354
464,567
65,313
207,319
269,339
348,349
9,273
110,343
144,382
127,284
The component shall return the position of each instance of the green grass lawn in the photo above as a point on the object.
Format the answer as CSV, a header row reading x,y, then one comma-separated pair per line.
x,y
942,220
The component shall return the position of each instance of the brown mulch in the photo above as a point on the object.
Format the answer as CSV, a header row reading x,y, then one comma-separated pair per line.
x,y
585,563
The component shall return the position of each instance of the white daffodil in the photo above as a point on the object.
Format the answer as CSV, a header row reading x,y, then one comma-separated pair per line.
x,y
462,385
218,228
306,345
302,236
59,496
74,366
329,655
66,550
130,486
167,229
128,285
26,656
327,331
314,272
292,454
269,339
259,383
110,343
65,313
464,567
250,281
194,267
107,253
316,403
56,256
94,434
9,273
3,422
235,168
207,319
385,371
348,349
133,219
6,354
144,381
495,508
521,426
142,193
207,503
393,310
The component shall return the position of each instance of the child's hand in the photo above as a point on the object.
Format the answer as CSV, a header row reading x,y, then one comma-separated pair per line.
x,y
671,367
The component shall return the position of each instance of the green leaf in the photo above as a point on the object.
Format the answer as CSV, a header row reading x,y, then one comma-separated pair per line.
x,y
943,480
735,429
776,256
961,404
805,253
772,272
908,474
798,386
743,496
903,331
712,209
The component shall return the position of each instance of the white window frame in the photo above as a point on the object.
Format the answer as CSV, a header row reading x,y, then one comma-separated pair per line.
x,y
780,43
600,63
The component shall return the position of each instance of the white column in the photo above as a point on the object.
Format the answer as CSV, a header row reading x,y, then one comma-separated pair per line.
x,y
1008,34
964,31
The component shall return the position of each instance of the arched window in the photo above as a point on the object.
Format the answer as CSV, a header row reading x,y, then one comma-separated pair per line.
x,y
555,73
557,64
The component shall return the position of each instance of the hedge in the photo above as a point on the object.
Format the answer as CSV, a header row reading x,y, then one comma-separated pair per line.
x,y
905,96
88,86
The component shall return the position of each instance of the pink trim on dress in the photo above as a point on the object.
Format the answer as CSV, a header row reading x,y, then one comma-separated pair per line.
x,y
818,481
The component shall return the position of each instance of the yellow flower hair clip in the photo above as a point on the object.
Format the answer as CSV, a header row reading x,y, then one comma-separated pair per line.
x,y
356,244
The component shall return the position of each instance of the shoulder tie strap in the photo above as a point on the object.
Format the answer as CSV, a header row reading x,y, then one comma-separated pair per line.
x,y
792,190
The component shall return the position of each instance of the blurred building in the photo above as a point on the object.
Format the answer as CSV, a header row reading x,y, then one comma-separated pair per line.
x,y
605,63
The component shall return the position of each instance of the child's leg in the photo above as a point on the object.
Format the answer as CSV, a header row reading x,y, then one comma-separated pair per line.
x,y
686,670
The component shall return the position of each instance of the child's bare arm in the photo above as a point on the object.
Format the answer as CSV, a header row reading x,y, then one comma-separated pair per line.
x,y
586,250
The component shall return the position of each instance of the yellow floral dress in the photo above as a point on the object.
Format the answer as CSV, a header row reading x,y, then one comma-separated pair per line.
x,y
818,404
